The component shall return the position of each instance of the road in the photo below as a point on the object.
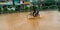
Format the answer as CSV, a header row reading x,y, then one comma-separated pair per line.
x,y
48,20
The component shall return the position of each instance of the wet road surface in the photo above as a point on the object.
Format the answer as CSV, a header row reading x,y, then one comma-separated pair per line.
x,y
48,20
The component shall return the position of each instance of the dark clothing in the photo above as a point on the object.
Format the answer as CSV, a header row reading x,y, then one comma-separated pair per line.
x,y
35,13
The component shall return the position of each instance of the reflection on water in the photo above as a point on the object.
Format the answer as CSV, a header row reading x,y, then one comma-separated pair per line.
x,y
48,20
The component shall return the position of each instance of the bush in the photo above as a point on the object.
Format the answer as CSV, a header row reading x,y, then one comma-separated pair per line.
x,y
53,7
44,7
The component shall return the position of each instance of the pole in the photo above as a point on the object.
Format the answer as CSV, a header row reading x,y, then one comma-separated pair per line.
x,y
13,3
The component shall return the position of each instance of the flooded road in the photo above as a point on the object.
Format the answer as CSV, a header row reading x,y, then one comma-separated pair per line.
x,y
48,20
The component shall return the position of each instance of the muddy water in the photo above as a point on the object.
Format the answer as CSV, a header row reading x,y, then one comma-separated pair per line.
x,y
48,20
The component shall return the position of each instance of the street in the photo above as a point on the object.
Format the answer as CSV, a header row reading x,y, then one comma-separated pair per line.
x,y
48,20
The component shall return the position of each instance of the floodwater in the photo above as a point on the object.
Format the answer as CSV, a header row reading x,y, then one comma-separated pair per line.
x,y
48,20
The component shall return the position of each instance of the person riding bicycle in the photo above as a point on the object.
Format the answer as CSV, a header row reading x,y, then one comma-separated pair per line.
x,y
35,11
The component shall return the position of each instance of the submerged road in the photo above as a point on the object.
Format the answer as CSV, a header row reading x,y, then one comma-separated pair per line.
x,y
49,20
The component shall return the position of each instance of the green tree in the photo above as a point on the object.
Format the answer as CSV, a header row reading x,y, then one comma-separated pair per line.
x,y
49,2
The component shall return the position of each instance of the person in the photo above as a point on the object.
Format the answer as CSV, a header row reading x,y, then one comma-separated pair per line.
x,y
35,11
58,4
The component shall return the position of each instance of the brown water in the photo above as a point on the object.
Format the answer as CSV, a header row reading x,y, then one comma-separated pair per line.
x,y
48,20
